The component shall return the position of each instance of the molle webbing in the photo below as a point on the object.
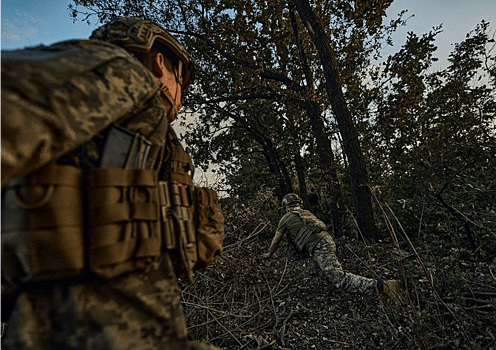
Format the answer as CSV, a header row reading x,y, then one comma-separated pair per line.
x,y
134,218
130,218
124,227
179,164
209,226
177,206
302,236
311,225
297,253
42,225
179,232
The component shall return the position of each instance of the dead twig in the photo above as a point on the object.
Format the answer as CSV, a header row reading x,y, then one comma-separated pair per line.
x,y
266,346
428,274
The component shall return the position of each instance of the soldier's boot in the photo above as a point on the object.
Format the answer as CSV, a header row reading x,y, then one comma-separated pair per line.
x,y
391,289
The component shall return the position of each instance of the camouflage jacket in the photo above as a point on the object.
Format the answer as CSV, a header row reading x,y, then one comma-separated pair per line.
x,y
55,98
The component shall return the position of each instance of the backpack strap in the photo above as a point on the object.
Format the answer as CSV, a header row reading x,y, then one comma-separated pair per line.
x,y
178,164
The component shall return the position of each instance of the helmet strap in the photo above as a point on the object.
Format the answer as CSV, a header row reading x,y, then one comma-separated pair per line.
x,y
165,92
293,206
178,72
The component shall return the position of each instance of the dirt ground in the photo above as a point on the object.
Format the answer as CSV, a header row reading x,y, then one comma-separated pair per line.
x,y
245,302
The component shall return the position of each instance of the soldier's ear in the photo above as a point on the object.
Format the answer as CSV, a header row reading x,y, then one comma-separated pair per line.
x,y
158,65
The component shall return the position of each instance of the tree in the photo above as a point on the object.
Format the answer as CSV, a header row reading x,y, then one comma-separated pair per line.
x,y
358,171
253,51
435,131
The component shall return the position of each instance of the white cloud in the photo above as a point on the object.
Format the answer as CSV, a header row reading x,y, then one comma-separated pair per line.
x,y
23,28
11,36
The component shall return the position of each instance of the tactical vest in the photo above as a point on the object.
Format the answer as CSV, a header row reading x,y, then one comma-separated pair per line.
x,y
120,217
311,226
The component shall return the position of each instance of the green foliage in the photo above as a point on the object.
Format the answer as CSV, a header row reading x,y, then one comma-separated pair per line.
x,y
251,73
244,216
432,141
429,137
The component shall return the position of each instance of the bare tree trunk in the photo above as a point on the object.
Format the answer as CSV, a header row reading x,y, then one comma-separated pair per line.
x,y
329,169
302,182
358,173
274,162
278,168
324,150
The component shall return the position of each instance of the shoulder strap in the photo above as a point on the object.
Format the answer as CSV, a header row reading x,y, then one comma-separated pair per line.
x,y
177,166
35,91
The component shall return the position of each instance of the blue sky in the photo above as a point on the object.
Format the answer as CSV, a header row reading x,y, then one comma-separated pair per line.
x,y
29,22
458,17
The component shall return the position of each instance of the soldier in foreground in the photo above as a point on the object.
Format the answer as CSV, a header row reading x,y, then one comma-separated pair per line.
x,y
99,211
309,236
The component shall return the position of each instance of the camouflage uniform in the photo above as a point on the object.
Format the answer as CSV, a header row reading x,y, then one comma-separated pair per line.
x,y
66,93
321,247
60,98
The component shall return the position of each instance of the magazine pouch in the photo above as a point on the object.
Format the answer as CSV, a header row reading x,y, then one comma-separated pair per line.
x,y
178,230
209,226
42,225
124,226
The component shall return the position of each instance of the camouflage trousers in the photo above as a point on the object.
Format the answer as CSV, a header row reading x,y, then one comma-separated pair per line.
x,y
133,312
325,264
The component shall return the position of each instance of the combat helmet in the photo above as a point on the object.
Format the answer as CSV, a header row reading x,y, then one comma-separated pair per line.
x,y
137,35
291,199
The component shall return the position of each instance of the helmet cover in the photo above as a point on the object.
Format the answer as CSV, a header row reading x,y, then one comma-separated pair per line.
x,y
291,199
137,35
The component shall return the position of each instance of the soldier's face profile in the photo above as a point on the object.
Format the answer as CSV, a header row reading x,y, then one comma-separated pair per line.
x,y
168,79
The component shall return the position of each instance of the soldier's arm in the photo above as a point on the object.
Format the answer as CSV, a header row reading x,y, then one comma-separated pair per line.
x,y
274,244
